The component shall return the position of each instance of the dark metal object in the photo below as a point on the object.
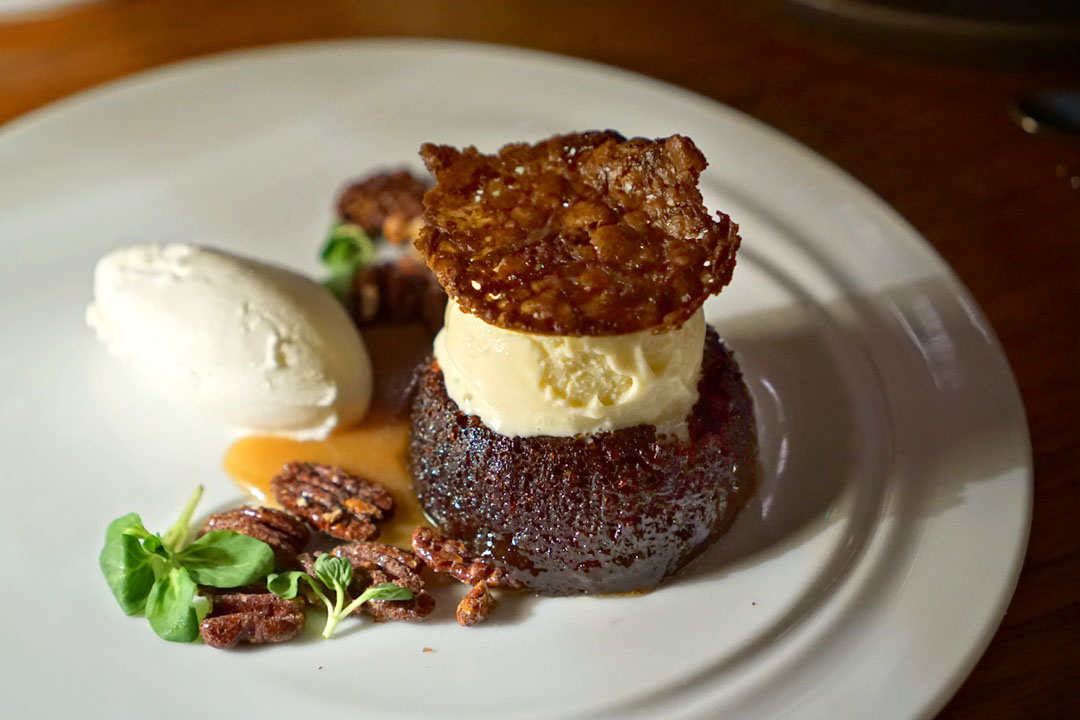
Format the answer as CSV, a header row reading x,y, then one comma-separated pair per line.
x,y
992,32
1053,111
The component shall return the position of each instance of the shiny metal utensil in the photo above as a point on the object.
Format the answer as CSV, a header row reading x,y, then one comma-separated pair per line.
x,y
1054,111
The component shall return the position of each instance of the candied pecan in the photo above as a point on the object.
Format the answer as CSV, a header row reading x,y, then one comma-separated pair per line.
x,y
375,563
477,604
281,531
331,500
397,293
387,202
400,229
582,234
364,297
448,556
253,618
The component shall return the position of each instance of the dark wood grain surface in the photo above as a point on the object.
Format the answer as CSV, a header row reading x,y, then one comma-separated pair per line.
x,y
931,137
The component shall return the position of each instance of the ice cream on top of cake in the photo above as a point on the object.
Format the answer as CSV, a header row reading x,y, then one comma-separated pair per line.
x,y
576,269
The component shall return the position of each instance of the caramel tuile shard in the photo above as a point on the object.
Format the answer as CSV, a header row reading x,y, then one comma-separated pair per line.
x,y
582,234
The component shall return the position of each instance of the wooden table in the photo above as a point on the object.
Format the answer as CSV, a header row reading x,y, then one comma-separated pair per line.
x,y
933,139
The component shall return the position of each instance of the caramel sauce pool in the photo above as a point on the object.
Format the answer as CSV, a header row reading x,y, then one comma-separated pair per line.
x,y
376,449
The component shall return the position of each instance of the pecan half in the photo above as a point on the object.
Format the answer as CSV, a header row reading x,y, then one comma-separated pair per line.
x,y
375,563
255,618
388,202
397,293
339,504
477,604
448,556
281,531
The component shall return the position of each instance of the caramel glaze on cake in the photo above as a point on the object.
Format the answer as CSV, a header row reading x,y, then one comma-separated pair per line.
x,y
583,234
603,513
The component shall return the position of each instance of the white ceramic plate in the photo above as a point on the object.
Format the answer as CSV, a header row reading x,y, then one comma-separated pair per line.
x,y
864,581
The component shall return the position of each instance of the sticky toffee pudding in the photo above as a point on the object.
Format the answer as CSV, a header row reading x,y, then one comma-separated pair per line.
x,y
573,253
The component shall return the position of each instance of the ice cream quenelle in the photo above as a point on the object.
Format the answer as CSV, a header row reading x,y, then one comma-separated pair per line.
x,y
255,346
526,384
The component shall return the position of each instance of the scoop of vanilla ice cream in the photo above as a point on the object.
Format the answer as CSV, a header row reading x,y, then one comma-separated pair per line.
x,y
524,384
255,346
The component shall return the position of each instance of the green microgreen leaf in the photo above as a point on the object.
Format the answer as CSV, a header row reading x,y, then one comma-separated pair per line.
x,y
285,585
202,605
155,546
382,591
169,607
127,566
174,537
225,559
387,591
347,246
334,572
347,249
135,529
